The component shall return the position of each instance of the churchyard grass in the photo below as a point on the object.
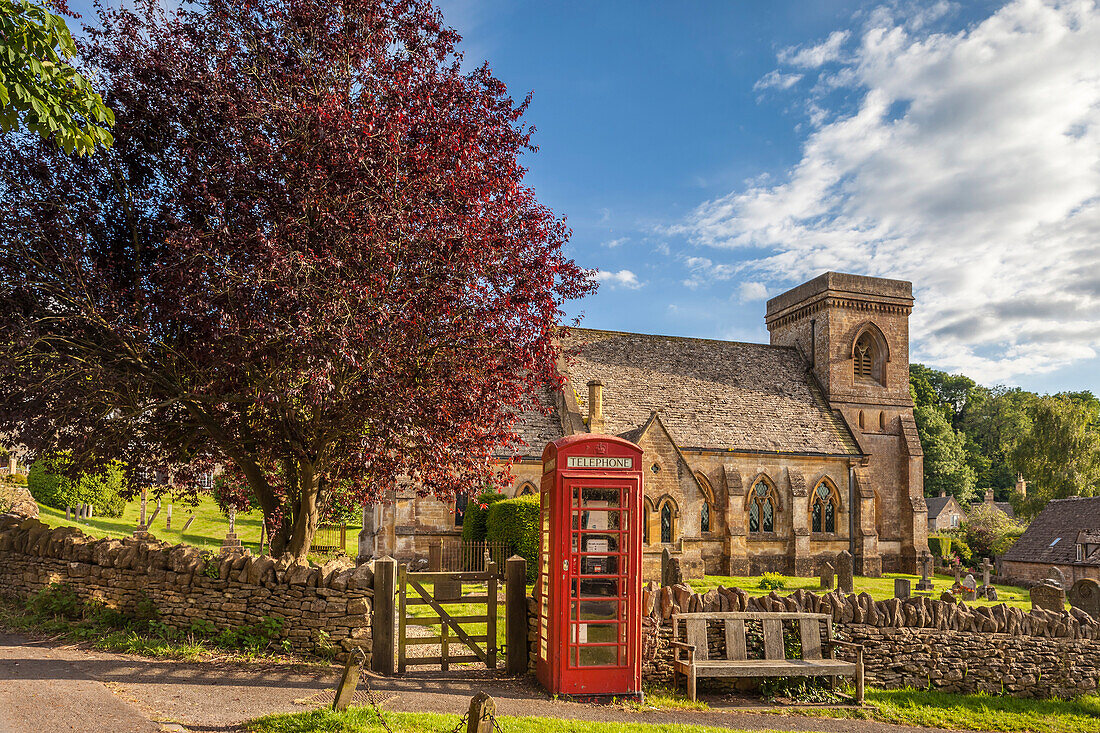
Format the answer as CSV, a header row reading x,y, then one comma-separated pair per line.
x,y
879,588
207,531
968,712
365,720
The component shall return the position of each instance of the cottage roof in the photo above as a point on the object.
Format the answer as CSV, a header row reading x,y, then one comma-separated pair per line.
x,y
710,394
1004,506
936,505
1051,538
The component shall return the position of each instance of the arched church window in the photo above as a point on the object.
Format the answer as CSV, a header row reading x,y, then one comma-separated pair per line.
x,y
865,357
824,506
666,523
762,508
869,357
527,489
704,517
460,508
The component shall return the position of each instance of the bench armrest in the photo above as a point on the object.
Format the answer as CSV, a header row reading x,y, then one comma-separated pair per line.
x,y
850,645
689,648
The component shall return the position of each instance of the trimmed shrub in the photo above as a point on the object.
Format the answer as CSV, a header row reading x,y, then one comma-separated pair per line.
x,y
772,581
49,485
474,526
961,550
516,522
940,546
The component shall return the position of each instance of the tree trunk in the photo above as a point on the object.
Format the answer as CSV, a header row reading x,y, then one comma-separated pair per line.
x,y
308,512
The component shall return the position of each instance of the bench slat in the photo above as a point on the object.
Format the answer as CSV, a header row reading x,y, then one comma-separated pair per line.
x,y
735,639
773,639
810,631
697,636
775,668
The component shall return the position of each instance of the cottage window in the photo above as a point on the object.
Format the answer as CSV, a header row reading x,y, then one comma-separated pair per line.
x,y
824,506
704,518
762,508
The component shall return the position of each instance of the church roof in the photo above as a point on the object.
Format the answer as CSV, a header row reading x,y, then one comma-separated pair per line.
x,y
1051,538
710,394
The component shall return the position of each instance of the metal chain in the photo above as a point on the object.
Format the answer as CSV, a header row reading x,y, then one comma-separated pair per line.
x,y
486,715
369,696
461,724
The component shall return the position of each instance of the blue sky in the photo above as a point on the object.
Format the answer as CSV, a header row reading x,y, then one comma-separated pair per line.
x,y
709,155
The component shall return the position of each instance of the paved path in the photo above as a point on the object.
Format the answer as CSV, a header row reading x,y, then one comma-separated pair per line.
x,y
46,687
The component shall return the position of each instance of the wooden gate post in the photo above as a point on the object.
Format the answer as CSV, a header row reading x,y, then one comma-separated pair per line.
x,y
385,587
435,557
491,617
515,615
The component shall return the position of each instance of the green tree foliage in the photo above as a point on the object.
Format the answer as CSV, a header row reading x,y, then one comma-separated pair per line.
x,y
945,466
1060,452
516,523
994,424
949,393
38,86
49,483
940,545
988,531
475,522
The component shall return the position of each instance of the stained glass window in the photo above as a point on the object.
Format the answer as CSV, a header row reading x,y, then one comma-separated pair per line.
x,y
824,509
762,508
704,519
666,523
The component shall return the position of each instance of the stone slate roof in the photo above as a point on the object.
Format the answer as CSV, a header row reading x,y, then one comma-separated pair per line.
x,y
1004,506
535,429
1051,538
710,394
936,504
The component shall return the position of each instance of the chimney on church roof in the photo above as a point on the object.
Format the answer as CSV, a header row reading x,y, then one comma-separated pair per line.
x,y
595,406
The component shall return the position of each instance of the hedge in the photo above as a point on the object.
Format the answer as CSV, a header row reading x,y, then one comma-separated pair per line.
x,y
473,522
940,546
516,522
49,485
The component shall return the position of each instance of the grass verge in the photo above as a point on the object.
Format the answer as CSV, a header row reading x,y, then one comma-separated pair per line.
x,y
365,720
969,712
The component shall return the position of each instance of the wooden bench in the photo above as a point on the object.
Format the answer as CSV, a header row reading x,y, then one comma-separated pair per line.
x,y
691,657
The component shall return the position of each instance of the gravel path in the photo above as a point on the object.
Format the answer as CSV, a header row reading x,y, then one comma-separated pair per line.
x,y
47,686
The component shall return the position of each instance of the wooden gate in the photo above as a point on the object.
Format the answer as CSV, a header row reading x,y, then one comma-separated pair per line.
x,y
451,630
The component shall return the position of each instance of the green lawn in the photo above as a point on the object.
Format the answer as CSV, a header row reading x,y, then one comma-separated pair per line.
x,y
365,720
879,588
207,531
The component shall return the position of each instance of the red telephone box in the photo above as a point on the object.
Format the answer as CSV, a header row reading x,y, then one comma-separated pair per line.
x,y
589,588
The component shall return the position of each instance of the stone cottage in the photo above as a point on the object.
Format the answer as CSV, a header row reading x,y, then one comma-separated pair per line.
x,y
944,512
1065,535
757,457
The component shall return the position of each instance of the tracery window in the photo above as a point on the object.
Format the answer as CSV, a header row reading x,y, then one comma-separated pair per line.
x,y
704,517
461,501
762,508
824,506
666,523
867,358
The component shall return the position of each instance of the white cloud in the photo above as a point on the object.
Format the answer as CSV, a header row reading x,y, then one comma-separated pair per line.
x,y
613,243
971,167
811,57
621,279
775,79
752,291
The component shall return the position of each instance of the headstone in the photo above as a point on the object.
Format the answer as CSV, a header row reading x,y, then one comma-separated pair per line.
x,y
482,716
828,576
958,572
901,588
673,575
168,518
988,592
1085,595
187,524
987,568
844,572
969,583
925,572
231,543
1057,576
1048,598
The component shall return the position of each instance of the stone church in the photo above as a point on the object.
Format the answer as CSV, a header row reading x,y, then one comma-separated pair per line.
x,y
757,457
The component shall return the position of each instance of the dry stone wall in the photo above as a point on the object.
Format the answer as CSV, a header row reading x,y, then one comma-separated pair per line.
x,y
918,642
320,607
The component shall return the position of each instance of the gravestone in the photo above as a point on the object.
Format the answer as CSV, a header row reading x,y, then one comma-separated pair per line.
x,y
1048,598
988,592
970,588
231,543
1085,595
901,588
672,574
844,572
925,572
958,573
1056,576
987,567
828,576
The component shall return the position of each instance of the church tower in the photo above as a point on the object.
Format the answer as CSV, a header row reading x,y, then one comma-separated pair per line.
x,y
853,332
